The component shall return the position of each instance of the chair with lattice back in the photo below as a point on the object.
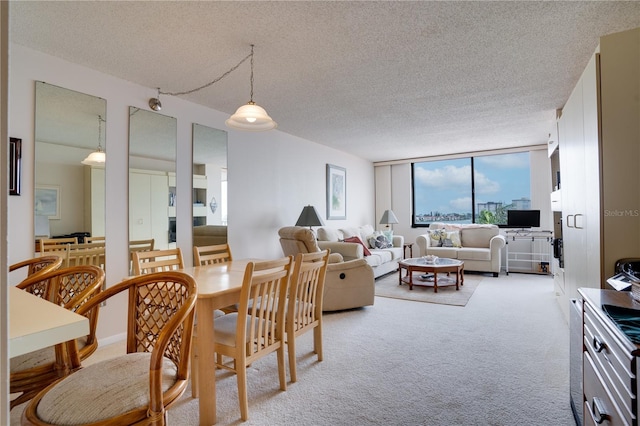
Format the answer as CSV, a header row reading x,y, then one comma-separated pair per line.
x,y
71,288
139,386
37,265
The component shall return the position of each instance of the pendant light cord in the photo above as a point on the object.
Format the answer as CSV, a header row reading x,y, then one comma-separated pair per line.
x,y
187,92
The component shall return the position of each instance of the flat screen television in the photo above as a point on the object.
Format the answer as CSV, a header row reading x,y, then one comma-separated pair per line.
x,y
523,218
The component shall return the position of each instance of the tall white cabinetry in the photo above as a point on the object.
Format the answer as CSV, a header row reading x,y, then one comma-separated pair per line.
x,y
599,153
149,207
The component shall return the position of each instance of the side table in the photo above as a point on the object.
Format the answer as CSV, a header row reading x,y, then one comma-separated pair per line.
x,y
406,246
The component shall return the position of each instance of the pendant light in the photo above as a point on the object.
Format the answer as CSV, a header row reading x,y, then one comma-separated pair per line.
x,y
251,116
98,157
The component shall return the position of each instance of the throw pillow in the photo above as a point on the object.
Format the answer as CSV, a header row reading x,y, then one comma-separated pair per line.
x,y
451,239
379,241
358,240
389,235
435,237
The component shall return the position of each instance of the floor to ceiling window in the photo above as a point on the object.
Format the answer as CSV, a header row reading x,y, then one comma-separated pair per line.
x,y
471,190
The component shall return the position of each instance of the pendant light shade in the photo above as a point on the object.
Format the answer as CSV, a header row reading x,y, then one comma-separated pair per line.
x,y
98,157
251,117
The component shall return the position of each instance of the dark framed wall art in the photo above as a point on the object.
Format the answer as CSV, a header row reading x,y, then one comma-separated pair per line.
x,y
336,192
15,165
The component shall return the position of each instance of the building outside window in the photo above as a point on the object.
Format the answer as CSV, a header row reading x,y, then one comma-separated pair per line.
x,y
471,190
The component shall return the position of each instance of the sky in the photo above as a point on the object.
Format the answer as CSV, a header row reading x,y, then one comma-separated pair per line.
x,y
445,186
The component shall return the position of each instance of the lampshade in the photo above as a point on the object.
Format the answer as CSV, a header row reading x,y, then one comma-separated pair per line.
x,y
388,218
96,158
309,217
251,117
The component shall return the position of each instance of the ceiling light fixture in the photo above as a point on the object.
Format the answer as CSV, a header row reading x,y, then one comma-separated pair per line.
x,y
249,117
98,157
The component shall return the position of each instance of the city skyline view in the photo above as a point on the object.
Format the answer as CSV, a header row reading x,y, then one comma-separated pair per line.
x,y
444,187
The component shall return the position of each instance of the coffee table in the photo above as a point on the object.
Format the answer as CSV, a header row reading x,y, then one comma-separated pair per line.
x,y
441,265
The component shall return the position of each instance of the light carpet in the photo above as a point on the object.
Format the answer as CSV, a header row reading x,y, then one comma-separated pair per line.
x,y
503,360
388,286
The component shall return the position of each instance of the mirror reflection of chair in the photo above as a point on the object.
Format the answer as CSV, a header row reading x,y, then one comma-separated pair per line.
x,y
139,245
139,386
55,244
145,262
71,288
86,254
37,265
257,329
99,239
210,255
304,303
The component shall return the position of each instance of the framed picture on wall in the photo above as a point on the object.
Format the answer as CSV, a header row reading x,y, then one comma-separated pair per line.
x,y
47,201
15,165
336,192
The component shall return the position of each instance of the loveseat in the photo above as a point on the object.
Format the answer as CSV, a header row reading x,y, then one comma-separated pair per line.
x,y
381,250
209,235
348,283
479,246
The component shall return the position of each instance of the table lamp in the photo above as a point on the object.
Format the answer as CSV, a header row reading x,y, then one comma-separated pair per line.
x,y
309,217
388,218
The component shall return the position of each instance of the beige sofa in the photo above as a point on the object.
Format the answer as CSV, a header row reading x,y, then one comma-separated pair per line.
x,y
479,246
349,283
382,260
209,235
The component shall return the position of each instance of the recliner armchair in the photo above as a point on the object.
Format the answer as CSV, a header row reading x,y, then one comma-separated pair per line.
x,y
348,284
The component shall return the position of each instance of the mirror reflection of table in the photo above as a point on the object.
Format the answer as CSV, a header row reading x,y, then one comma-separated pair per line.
x,y
35,323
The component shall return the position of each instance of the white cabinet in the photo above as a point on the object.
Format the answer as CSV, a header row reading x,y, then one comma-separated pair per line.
x,y
94,199
149,207
599,152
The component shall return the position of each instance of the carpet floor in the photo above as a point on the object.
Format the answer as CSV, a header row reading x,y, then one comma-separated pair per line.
x,y
388,286
503,359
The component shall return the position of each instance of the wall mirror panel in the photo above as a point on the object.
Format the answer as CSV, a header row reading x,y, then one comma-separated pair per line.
x,y
69,195
209,185
152,180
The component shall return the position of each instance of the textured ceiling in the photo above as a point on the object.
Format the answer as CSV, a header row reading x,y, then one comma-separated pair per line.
x,y
381,80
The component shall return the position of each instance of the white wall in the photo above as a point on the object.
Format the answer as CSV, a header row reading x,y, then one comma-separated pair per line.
x,y
271,175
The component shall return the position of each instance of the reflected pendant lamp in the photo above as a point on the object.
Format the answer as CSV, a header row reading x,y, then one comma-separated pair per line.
x,y
97,157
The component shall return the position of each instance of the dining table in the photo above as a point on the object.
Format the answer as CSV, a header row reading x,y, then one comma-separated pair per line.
x,y
36,323
219,286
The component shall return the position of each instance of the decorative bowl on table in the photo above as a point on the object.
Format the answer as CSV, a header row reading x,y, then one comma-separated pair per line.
x,y
430,259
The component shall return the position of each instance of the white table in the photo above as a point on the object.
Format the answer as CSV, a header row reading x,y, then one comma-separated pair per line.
x,y
35,323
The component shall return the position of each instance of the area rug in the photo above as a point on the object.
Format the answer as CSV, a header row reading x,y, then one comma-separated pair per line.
x,y
388,286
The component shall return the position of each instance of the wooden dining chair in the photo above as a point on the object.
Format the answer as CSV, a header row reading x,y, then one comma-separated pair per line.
x,y
211,255
139,386
202,256
304,303
145,262
86,254
257,329
99,239
37,265
69,287
55,244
